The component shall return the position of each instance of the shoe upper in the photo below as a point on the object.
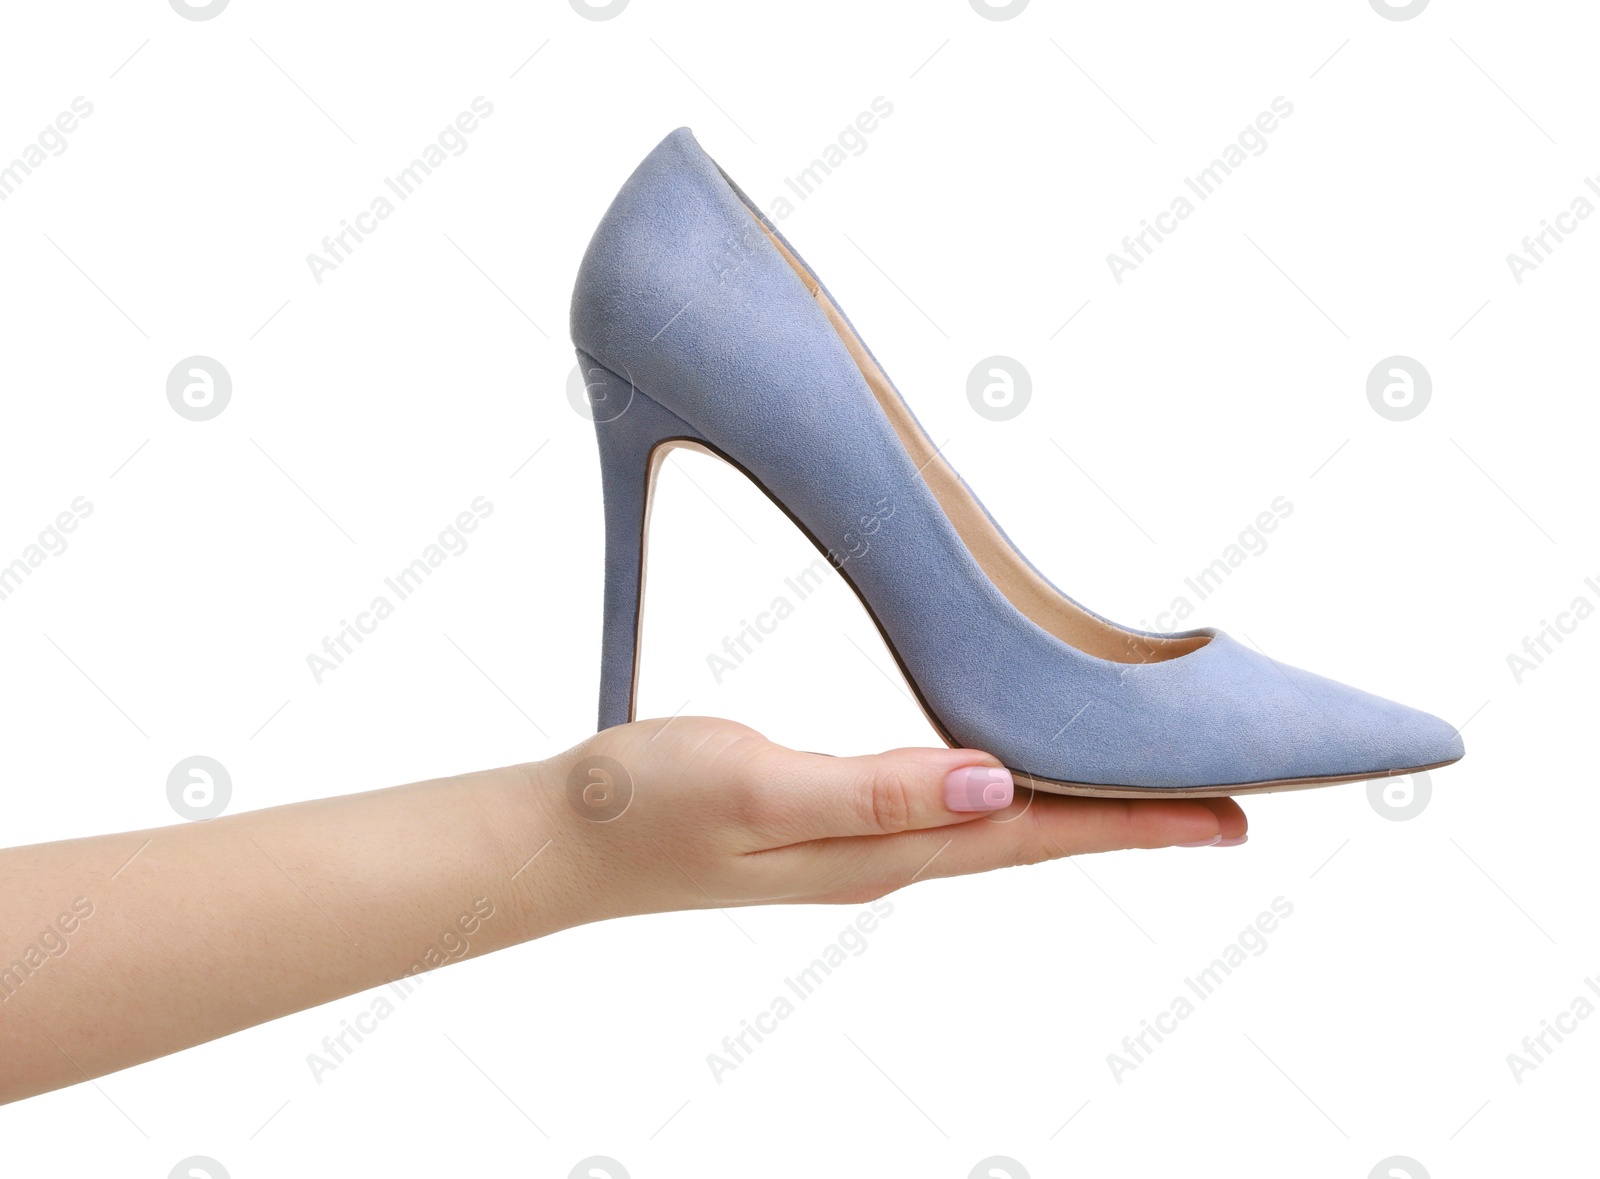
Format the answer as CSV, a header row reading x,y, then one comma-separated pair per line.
x,y
684,296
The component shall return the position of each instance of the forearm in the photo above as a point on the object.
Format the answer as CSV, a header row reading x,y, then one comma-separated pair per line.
x,y
121,948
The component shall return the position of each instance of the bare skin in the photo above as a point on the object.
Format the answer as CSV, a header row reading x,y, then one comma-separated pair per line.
x,y
137,945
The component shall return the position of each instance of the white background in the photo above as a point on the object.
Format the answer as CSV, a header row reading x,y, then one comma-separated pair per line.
x,y
1227,370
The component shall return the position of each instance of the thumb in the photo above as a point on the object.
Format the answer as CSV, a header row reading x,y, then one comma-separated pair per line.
x,y
821,797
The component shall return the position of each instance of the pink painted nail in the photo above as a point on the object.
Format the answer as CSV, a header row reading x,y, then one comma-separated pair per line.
x,y
977,788
1212,842
1232,842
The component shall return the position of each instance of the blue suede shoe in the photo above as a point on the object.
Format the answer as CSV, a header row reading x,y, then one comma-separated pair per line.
x,y
697,325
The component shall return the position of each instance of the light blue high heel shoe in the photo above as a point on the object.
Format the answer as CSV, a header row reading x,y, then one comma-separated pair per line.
x,y
697,325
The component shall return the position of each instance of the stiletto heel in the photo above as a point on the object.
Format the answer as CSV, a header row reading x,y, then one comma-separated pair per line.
x,y
635,435
729,342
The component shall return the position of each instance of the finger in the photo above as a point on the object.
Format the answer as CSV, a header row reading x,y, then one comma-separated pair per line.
x,y
1231,822
809,796
1075,826
1119,824
1030,831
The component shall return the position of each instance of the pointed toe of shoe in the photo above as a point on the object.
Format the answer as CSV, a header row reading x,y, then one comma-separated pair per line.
x,y
1366,734
1345,732
1268,722
1223,719
1422,739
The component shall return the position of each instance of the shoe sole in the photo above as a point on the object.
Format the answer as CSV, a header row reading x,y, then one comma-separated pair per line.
x,y
1086,790
658,455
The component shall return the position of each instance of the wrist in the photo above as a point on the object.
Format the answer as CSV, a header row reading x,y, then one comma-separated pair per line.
x,y
538,877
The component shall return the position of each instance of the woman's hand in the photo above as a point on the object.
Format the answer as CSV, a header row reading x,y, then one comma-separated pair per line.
x,y
140,944
694,812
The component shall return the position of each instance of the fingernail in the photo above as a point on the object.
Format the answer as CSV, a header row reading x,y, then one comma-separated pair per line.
x,y
1235,842
1212,842
977,788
